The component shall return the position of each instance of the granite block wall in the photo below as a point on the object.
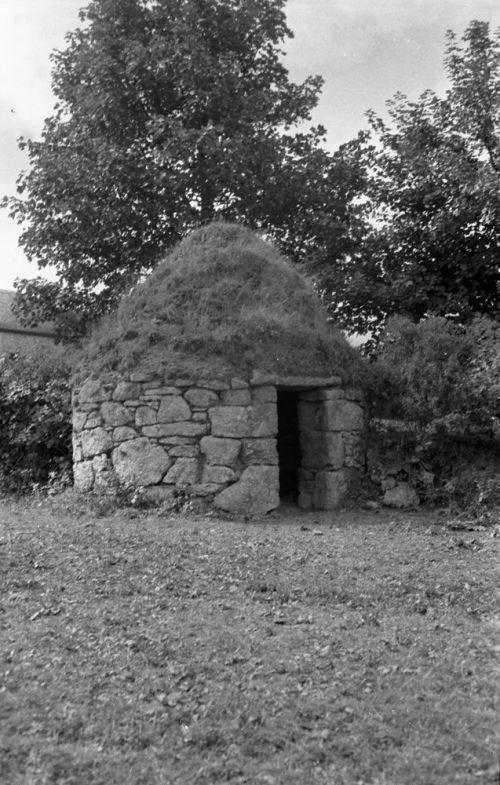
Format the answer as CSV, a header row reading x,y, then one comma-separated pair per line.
x,y
211,438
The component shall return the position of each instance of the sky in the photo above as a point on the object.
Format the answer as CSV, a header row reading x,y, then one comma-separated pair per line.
x,y
365,51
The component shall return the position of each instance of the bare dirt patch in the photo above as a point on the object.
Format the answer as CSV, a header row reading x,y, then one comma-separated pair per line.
x,y
349,649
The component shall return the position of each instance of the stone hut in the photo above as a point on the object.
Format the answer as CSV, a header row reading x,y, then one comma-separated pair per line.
x,y
220,377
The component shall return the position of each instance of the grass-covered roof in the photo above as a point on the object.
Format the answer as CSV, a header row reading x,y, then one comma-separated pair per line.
x,y
223,302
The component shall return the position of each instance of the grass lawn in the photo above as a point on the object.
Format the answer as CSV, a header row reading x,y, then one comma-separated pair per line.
x,y
346,649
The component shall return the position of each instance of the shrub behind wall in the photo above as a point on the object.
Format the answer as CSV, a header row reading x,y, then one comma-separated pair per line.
x,y
442,380
35,420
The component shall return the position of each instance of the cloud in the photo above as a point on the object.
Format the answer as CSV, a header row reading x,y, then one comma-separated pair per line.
x,y
368,51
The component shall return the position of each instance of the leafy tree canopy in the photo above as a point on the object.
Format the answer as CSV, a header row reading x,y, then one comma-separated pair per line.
x,y
432,200
169,113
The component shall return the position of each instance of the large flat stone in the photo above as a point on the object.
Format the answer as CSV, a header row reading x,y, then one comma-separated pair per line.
x,y
138,462
255,493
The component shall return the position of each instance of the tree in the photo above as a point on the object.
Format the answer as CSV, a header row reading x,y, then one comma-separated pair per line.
x,y
169,114
432,200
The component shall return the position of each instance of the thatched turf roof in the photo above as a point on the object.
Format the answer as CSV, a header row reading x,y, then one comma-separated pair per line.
x,y
223,302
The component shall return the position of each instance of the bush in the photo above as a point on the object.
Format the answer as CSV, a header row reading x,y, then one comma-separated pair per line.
x,y
35,421
443,379
443,374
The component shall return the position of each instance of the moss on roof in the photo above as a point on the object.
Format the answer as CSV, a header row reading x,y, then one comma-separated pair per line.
x,y
223,302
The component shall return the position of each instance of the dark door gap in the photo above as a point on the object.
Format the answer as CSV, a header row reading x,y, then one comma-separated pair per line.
x,y
289,452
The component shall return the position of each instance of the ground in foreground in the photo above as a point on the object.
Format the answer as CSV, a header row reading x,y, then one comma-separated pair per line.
x,y
338,649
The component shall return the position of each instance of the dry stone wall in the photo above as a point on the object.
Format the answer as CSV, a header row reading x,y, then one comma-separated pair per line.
x,y
212,438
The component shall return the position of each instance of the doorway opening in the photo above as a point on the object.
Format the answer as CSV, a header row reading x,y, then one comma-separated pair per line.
x,y
289,453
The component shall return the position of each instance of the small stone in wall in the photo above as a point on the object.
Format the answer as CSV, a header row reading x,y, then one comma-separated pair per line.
x,y
205,489
92,391
218,474
141,376
236,397
104,476
173,441
123,433
238,384
101,463
125,391
83,476
184,451
183,473
402,496
95,442
145,415
138,462
173,408
175,429
159,392
200,398
214,384
79,420
115,414
222,452
93,420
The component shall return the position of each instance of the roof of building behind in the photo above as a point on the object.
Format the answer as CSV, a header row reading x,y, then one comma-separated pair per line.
x,y
11,324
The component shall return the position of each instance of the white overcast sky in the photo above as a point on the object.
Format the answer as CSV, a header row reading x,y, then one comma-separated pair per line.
x,y
365,50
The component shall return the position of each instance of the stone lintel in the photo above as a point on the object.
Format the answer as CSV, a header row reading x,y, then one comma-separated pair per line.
x,y
260,379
